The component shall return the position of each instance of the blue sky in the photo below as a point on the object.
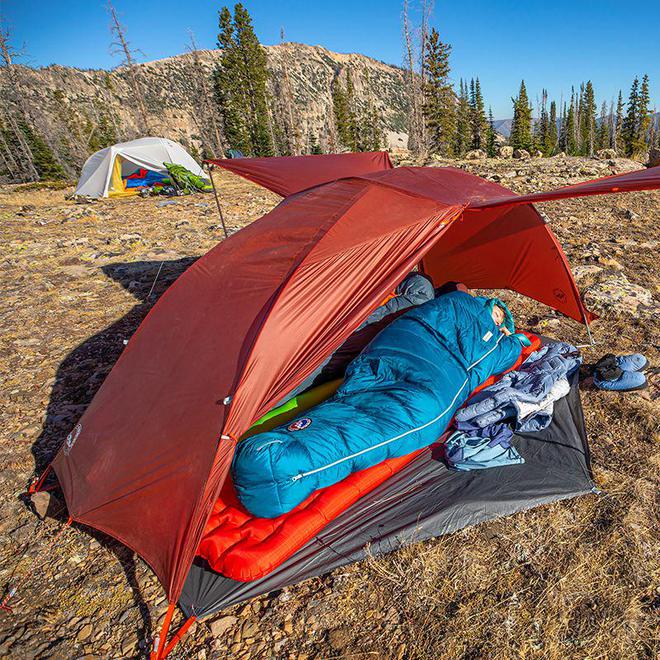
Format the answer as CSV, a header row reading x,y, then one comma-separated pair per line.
x,y
553,44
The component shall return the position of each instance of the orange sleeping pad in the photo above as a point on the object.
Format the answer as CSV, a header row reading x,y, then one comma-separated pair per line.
x,y
243,547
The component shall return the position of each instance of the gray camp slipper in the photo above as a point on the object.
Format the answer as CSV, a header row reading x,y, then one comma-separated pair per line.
x,y
628,381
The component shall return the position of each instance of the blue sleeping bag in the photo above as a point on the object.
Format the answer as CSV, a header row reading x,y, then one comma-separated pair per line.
x,y
398,395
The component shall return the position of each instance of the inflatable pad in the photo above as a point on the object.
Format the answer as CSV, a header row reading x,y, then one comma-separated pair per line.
x,y
243,547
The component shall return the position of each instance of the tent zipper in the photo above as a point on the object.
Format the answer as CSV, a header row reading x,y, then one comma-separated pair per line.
x,y
297,477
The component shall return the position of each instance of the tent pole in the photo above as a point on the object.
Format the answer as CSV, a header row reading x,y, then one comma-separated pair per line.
x,y
217,200
586,323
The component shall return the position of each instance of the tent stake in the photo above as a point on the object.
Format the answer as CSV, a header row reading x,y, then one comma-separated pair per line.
x,y
217,200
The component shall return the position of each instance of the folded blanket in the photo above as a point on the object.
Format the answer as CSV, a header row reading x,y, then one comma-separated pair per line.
x,y
398,395
490,448
526,394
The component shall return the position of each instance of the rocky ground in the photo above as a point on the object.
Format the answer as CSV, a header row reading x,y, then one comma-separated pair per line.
x,y
574,579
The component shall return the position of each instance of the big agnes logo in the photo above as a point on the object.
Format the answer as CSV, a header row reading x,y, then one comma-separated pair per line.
x,y
71,439
300,424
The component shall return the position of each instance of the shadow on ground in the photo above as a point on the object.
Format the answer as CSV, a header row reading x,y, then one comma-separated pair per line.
x,y
81,374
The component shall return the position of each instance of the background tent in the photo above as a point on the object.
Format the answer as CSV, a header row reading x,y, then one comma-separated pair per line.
x,y
103,172
251,319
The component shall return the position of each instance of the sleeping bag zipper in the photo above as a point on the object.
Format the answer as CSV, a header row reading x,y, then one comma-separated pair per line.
x,y
297,477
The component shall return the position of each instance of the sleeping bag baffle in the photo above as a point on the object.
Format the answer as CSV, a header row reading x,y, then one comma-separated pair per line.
x,y
398,395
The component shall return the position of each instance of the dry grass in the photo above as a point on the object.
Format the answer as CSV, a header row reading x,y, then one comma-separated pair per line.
x,y
575,579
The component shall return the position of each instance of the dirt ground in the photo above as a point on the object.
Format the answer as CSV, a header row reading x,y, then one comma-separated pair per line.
x,y
575,579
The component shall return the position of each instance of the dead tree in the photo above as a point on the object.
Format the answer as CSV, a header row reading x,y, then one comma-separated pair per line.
x,y
207,122
291,123
8,160
121,46
14,102
427,10
413,86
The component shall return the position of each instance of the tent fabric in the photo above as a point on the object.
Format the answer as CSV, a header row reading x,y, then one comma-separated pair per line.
x,y
117,186
648,179
275,298
150,153
287,175
421,501
251,319
246,548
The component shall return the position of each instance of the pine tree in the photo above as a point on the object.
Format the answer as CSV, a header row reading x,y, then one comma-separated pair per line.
x,y
521,128
370,135
603,133
314,146
644,118
551,138
542,126
587,120
346,118
358,128
241,84
340,106
462,134
570,138
438,105
563,137
45,162
479,124
618,142
353,125
630,123
491,145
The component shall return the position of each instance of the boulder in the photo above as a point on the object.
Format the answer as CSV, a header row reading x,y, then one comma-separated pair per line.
x,y
654,157
506,151
606,154
222,625
475,154
618,294
522,154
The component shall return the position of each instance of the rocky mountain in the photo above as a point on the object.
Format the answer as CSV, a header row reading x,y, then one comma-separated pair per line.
x,y
503,126
76,111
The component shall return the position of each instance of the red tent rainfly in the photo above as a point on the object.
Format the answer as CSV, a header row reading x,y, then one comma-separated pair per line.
x,y
249,320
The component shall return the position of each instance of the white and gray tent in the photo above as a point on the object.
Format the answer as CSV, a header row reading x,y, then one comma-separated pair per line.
x,y
103,173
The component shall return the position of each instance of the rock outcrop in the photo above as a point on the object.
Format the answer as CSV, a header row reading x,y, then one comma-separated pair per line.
x,y
475,154
73,102
522,154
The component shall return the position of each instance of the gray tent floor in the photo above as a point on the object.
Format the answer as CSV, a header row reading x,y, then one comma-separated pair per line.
x,y
422,501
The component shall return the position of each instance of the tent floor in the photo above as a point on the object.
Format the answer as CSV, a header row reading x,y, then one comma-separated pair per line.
x,y
422,501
